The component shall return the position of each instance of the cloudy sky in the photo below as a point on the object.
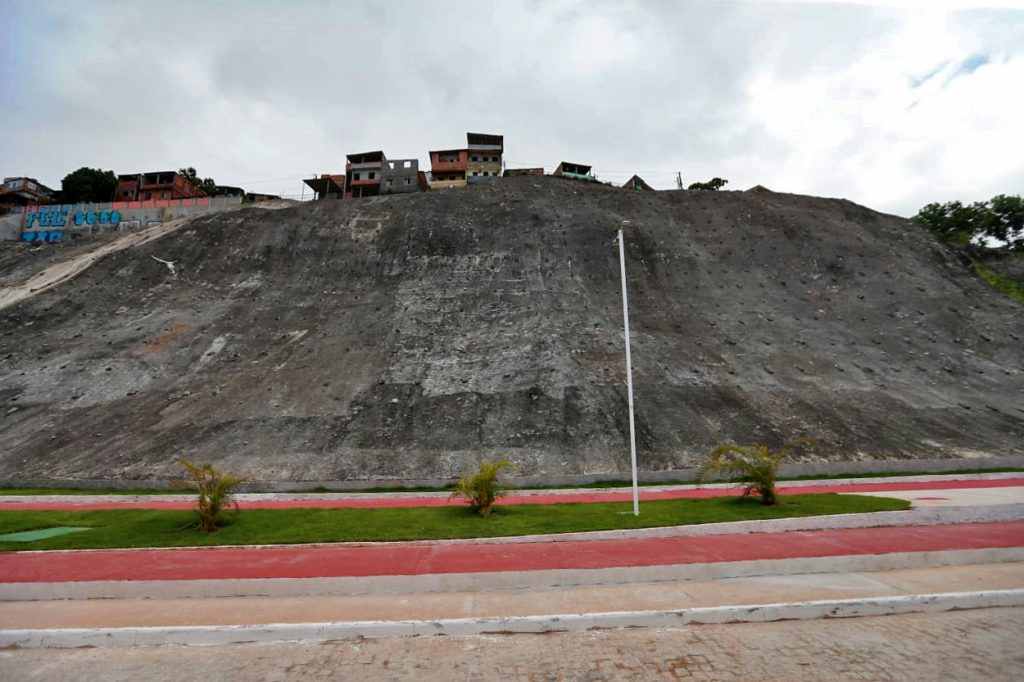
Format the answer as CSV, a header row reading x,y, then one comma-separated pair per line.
x,y
884,103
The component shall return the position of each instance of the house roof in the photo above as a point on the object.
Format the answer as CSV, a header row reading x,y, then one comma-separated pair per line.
x,y
636,182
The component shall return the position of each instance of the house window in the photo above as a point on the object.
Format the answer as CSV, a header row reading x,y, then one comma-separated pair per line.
x,y
408,181
163,195
387,183
474,158
355,176
372,175
408,164
126,193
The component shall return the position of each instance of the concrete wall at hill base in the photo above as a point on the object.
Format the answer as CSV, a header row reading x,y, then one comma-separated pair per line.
x,y
59,222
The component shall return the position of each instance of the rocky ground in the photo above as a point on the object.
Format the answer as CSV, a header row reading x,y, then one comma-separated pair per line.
x,y
406,336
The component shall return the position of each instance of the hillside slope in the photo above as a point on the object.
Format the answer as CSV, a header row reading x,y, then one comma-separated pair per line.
x,y
405,336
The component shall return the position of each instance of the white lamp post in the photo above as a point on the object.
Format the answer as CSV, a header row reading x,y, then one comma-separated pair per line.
x,y
629,367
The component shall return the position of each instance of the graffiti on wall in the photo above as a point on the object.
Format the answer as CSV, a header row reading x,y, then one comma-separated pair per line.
x,y
97,217
44,236
57,216
54,223
47,216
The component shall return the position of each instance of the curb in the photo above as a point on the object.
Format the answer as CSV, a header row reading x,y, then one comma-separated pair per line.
x,y
496,580
529,492
319,632
815,468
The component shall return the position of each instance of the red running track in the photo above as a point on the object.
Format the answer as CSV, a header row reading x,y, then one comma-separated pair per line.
x,y
539,498
320,561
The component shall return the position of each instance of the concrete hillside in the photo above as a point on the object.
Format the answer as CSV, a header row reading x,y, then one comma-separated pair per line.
x,y
407,336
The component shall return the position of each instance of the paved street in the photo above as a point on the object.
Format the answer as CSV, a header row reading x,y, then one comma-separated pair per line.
x,y
966,645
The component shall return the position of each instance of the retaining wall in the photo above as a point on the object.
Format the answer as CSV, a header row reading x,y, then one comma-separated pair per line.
x,y
58,222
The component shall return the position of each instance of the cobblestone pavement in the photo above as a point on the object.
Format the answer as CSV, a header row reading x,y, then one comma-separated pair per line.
x,y
967,645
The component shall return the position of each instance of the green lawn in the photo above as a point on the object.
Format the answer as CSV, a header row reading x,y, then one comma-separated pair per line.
x,y
156,528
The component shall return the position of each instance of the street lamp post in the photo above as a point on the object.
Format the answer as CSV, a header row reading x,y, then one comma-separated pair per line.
x,y
629,367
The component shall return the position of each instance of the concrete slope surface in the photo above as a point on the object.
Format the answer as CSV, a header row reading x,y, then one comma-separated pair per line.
x,y
407,336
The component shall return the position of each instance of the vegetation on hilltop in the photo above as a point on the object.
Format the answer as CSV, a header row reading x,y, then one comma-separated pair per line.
x,y
1000,219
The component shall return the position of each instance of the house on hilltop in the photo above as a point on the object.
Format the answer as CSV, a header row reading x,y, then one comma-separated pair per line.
x,y
480,160
485,152
327,185
363,174
156,185
516,172
24,191
576,171
399,176
448,168
636,182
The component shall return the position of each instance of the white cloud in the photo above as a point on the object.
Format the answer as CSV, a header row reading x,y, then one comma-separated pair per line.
x,y
889,107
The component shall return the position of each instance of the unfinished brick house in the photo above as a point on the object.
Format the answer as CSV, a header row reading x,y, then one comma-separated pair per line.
x,y
328,185
399,176
363,173
448,168
158,185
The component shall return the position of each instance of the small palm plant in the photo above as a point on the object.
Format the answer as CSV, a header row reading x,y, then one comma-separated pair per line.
x,y
214,491
754,465
481,489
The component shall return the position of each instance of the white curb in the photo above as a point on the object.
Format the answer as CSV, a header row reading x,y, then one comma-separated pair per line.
x,y
523,492
207,635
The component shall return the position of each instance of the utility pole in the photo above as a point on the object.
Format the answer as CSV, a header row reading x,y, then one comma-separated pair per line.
x,y
629,367
679,180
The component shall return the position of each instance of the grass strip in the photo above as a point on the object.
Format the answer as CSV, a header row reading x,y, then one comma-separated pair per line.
x,y
160,528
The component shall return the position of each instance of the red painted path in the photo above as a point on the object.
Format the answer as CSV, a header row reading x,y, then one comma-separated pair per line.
x,y
426,558
374,500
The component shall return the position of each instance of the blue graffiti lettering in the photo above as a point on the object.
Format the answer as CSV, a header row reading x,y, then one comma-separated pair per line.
x,y
54,236
48,216
101,217
28,236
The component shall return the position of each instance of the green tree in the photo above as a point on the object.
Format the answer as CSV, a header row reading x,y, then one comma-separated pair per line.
x,y
214,491
1008,220
208,185
88,185
1000,219
712,185
481,489
757,466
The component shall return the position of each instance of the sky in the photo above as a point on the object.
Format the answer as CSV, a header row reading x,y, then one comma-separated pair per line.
x,y
889,104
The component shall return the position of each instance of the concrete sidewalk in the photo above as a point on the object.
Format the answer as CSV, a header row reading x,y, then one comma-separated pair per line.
x,y
760,599
669,595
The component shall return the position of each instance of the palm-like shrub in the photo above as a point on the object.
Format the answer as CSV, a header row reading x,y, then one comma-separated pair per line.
x,y
480,489
214,491
754,465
